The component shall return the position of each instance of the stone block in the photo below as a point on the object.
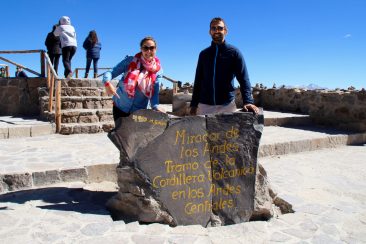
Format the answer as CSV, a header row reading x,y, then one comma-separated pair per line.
x,y
3,186
69,175
46,178
16,132
17,181
102,172
4,133
40,130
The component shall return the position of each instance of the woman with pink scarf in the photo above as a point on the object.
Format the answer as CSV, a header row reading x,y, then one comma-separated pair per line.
x,y
140,81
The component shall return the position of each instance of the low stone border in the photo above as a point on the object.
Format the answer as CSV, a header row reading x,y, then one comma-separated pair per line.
x,y
87,174
27,131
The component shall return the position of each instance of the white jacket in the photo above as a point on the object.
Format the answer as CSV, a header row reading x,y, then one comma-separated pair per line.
x,y
66,32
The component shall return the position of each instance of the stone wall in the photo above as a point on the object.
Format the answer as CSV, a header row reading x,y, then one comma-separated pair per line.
x,y
345,109
19,96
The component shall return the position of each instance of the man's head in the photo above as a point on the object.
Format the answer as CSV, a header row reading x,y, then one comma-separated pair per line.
x,y
19,68
218,30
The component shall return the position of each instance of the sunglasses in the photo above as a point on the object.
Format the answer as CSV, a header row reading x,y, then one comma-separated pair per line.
x,y
146,48
219,28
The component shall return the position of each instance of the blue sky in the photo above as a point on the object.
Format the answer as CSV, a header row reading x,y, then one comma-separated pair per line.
x,y
291,42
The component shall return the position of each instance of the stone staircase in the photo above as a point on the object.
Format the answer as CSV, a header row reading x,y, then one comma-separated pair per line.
x,y
85,107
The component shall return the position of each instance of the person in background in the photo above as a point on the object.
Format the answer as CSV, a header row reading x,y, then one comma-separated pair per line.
x,y
217,66
2,72
20,72
92,47
140,82
53,45
67,35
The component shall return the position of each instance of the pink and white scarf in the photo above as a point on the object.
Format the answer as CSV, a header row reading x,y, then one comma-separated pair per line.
x,y
143,77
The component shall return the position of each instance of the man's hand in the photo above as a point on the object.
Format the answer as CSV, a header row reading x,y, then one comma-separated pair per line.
x,y
193,111
160,109
251,107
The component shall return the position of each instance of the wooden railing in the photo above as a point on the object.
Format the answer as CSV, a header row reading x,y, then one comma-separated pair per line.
x,y
54,86
76,71
175,82
53,81
42,54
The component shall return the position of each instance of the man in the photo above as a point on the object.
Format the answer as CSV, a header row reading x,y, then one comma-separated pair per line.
x,y
20,73
217,66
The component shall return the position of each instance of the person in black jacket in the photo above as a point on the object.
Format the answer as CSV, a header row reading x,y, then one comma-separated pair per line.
x,y
20,73
53,45
217,66
92,47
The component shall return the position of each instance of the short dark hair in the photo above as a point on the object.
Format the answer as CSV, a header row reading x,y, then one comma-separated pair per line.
x,y
217,19
148,38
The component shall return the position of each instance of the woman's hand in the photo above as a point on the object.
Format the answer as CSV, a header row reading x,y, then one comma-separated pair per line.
x,y
110,89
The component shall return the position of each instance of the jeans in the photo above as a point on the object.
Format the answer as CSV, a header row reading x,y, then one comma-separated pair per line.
x,y
54,60
67,54
95,65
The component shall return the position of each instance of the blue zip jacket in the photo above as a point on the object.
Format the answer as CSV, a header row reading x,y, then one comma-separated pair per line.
x,y
217,67
92,51
139,101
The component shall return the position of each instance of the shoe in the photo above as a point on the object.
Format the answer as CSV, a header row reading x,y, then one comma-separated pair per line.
x,y
69,75
95,75
86,75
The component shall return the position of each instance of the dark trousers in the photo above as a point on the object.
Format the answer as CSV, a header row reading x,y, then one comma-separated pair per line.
x,y
117,113
95,65
67,54
55,58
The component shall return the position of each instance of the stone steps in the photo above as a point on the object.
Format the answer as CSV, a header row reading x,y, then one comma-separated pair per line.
x,y
81,102
85,101
86,128
83,121
85,107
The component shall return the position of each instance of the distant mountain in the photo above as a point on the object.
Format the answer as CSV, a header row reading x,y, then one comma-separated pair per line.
x,y
311,86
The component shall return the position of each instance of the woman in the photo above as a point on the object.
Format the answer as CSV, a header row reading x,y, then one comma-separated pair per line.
x,y
67,35
139,83
92,47
53,45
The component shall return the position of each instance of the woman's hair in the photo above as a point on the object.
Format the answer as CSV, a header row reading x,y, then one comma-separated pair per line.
x,y
148,38
93,37
54,28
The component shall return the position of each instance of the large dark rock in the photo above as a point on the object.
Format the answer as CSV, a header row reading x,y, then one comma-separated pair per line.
x,y
191,170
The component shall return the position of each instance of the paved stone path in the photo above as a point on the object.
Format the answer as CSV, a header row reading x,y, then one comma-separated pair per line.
x,y
326,188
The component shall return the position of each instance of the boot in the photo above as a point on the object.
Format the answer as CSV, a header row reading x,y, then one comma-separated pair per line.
x,y
86,75
95,75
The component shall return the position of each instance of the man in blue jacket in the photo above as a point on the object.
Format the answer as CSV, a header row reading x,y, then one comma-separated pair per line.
x,y
217,66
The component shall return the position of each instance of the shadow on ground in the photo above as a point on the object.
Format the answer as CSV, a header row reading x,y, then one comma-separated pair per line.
x,y
62,199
